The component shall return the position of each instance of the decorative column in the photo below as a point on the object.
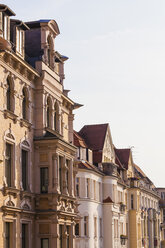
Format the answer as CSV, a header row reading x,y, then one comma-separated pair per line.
x,y
70,122
72,236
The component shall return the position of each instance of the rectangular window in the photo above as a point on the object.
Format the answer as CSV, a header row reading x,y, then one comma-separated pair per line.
x,y
25,169
101,228
25,239
100,192
45,243
87,187
67,228
8,235
132,203
44,180
20,37
95,227
60,236
77,229
67,174
8,164
77,186
60,172
85,225
94,186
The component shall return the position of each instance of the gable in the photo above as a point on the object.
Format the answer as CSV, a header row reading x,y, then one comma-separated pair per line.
x,y
108,154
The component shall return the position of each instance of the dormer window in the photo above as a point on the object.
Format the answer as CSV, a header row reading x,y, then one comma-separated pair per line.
x,y
5,13
20,41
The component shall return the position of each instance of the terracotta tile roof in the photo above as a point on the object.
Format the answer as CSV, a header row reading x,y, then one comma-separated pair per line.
x,y
94,135
122,157
108,200
78,140
86,165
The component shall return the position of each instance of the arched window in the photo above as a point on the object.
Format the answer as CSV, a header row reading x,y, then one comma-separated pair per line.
x,y
8,95
25,104
48,112
56,117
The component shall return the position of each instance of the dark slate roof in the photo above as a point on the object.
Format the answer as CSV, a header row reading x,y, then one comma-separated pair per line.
x,y
122,157
6,9
94,135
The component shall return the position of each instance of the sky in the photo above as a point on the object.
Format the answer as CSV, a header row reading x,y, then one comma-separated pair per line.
x,y
116,69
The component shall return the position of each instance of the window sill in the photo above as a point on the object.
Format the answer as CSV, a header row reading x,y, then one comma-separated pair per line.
x,y
25,123
9,114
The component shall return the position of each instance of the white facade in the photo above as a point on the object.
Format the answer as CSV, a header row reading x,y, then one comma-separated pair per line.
x,y
90,209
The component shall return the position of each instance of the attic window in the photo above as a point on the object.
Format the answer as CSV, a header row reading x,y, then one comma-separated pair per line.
x,y
19,41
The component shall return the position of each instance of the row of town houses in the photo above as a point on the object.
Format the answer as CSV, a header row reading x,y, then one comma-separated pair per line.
x,y
60,188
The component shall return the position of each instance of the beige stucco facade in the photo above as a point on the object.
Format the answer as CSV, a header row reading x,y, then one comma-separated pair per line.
x,y
37,173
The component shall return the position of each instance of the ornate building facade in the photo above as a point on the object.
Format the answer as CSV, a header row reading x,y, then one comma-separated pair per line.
x,y
37,173
122,208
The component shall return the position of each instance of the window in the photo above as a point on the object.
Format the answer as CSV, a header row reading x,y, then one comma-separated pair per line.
x,y
85,225
77,186
25,169
25,236
44,180
101,227
8,234
95,227
94,186
60,236
20,41
25,104
60,172
49,110
77,229
45,243
87,187
67,229
67,174
8,164
56,117
8,95
132,203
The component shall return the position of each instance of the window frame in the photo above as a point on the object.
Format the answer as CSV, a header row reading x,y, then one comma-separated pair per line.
x,y
46,185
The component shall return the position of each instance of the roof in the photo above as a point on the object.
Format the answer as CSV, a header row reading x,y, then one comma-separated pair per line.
x,y
78,140
141,173
20,24
52,24
97,157
5,8
86,165
108,200
94,135
122,156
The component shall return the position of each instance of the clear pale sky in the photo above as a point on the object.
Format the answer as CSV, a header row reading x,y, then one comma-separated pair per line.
x,y
116,68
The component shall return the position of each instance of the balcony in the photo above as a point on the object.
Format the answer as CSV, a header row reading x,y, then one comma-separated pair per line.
x,y
123,239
